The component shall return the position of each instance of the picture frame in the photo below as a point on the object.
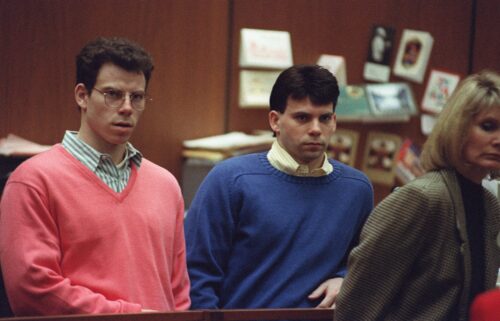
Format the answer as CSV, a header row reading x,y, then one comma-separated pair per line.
x,y
440,86
391,101
380,157
413,55
343,146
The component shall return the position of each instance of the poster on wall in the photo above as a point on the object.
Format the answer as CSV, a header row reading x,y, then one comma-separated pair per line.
x,y
377,65
413,55
439,87
265,49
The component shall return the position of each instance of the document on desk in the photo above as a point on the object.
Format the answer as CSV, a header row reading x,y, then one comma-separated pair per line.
x,y
13,145
229,141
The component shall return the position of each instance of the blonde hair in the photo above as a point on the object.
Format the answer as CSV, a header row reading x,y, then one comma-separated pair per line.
x,y
444,147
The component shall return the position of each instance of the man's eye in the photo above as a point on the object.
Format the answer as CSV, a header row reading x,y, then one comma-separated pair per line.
x,y
137,97
326,118
301,117
114,94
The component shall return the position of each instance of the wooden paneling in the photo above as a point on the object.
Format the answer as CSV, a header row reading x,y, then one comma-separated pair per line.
x,y
187,39
194,88
343,28
486,54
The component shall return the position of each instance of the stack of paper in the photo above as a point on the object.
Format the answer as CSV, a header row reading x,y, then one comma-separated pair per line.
x,y
219,147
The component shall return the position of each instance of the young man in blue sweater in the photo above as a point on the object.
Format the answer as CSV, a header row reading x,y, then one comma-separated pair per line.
x,y
273,229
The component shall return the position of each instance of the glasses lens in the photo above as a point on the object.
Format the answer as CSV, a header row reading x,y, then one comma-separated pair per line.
x,y
114,99
138,101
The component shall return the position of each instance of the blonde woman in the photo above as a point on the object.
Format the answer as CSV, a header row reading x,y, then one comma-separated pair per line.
x,y
430,247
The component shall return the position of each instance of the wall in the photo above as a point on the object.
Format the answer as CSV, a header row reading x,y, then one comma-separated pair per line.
x,y
187,39
195,45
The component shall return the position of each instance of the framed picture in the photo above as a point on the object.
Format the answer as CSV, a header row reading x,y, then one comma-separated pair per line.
x,y
380,156
343,146
391,100
413,55
440,86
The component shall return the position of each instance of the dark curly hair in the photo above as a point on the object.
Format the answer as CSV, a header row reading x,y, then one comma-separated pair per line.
x,y
119,51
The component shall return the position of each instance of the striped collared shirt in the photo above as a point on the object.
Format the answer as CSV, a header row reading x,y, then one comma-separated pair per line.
x,y
283,161
115,176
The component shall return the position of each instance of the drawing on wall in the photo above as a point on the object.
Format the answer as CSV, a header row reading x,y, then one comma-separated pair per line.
x,y
439,87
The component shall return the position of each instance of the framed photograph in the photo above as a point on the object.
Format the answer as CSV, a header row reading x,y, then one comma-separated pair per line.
x,y
440,86
343,146
255,88
391,100
380,156
413,55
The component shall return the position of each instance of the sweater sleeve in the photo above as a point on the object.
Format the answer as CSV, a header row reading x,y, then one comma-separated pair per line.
x,y
30,254
209,229
377,267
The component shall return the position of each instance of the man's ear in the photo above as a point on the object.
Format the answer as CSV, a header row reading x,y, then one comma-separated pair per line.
x,y
81,96
274,118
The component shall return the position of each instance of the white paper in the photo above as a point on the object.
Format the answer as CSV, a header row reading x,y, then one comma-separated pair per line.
x,y
413,55
336,65
265,49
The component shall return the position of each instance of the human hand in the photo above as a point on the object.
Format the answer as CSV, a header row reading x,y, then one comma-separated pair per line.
x,y
329,289
148,310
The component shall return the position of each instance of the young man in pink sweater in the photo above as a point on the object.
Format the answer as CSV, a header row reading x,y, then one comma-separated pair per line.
x,y
91,226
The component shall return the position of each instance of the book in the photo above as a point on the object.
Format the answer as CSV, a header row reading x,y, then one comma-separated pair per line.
x,y
336,65
352,104
375,103
413,55
377,65
440,86
408,165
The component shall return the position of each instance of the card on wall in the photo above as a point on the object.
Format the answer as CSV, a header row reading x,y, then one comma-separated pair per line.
x,y
336,65
439,87
413,55
377,66
265,49
255,87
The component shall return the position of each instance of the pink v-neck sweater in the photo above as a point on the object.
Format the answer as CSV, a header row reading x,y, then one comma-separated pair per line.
x,y
69,244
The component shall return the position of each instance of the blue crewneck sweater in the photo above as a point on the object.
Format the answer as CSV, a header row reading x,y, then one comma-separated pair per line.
x,y
260,238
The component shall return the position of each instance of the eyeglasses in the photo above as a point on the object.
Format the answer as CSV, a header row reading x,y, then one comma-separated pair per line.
x,y
114,98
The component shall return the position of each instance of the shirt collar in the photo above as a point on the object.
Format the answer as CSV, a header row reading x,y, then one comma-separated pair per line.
x,y
91,157
283,161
